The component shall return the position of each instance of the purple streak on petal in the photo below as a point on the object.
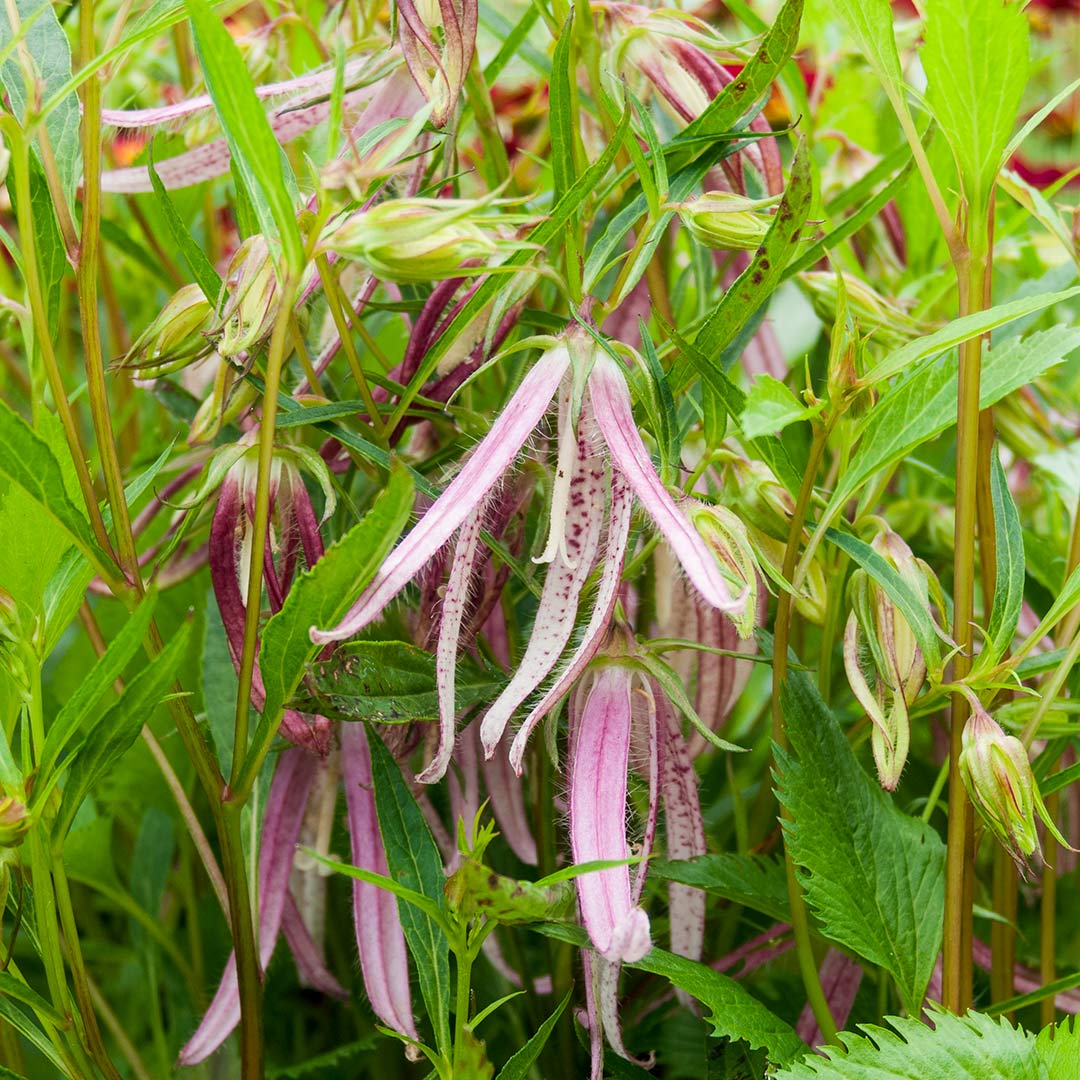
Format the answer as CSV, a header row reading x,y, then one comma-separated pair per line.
x,y
685,832
599,757
478,476
646,700
293,779
599,621
1025,980
379,937
508,805
607,999
759,950
558,607
592,1016
541,984
464,784
840,980
455,601
611,403
309,963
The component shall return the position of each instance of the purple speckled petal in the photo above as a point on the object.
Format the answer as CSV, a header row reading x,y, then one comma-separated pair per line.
x,y
599,621
599,757
614,415
379,937
467,490
293,779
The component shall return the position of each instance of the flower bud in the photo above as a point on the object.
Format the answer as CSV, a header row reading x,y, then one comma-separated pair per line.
x,y
719,219
252,306
762,502
878,317
727,538
416,240
176,337
14,821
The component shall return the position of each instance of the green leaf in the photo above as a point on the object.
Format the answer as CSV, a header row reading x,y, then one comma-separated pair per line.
x,y
206,277
1009,573
111,737
770,406
923,405
322,595
874,876
560,115
22,1023
870,23
976,63
26,460
1059,1048
414,861
519,1066
46,45
756,881
756,283
392,682
256,154
17,990
971,1047
898,590
321,1064
77,709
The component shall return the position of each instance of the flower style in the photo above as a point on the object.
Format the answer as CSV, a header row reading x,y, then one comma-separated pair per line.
x,y
601,464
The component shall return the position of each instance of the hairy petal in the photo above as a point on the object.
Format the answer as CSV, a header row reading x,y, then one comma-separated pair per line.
x,y
309,960
293,779
599,621
379,937
478,476
599,757
558,605
611,403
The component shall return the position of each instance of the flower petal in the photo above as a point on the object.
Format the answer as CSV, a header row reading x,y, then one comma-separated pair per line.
x,y
309,962
611,404
379,937
466,491
604,606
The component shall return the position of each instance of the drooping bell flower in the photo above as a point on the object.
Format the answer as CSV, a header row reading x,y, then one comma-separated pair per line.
x,y
878,637
439,72
601,464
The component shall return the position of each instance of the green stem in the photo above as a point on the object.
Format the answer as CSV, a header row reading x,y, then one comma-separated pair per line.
x,y
800,920
261,523
464,957
1048,911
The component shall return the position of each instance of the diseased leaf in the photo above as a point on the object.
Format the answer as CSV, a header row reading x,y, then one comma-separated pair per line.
x,y
976,62
874,876
956,1048
414,861
392,682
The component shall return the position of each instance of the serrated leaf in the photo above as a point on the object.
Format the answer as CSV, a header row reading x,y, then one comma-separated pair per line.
x,y
974,90
26,460
321,1064
956,1048
414,861
771,406
756,881
517,1068
392,682
1009,572
1058,1047
898,590
873,875
870,23
322,595
256,154
923,405
111,737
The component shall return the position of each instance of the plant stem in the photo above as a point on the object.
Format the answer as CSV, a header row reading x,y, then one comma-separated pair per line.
x,y
800,920
1048,910
1003,934
261,523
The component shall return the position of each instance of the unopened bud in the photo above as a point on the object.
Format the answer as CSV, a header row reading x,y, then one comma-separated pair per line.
x,y
728,540
417,240
998,777
14,821
176,337
719,219
252,306
883,320
760,499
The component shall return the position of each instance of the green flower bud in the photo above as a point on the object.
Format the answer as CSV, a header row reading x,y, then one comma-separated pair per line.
x,y
883,320
252,306
719,219
728,540
177,336
14,821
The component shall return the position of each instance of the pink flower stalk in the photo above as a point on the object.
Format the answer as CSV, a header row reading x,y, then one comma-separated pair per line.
x,y
601,462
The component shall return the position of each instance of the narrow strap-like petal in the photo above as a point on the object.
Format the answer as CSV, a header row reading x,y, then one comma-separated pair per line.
x,y
599,621
840,980
599,757
606,988
558,607
467,490
309,961
508,805
293,778
455,601
615,417
379,937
